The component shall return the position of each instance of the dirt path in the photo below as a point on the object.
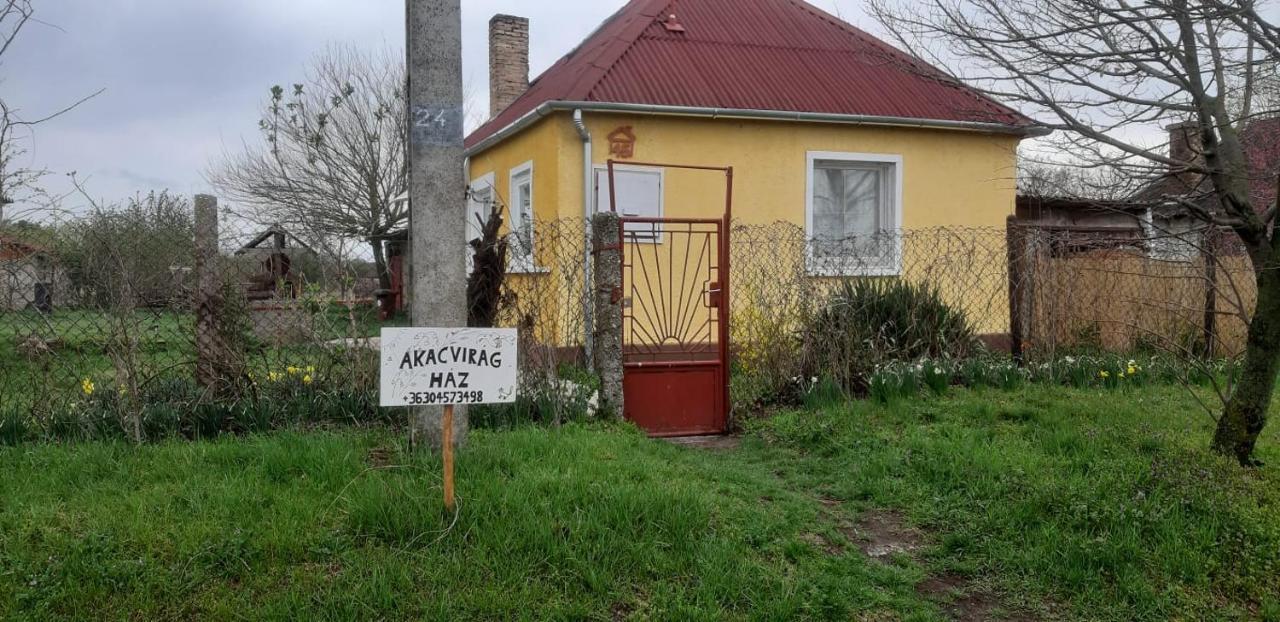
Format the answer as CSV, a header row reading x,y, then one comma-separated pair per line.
x,y
883,535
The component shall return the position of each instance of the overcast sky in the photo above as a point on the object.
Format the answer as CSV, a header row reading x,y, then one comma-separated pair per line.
x,y
184,79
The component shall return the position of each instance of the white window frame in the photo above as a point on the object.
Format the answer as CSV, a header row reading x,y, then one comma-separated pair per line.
x,y
482,183
600,171
521,263
890,212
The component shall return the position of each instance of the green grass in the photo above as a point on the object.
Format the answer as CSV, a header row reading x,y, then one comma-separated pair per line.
x,y
1104,501
165,345
1093,505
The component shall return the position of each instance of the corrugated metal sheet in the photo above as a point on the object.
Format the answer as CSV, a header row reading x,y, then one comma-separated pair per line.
x,y
749,54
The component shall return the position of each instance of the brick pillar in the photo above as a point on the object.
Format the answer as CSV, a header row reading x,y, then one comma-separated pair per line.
x,y
607,343
508,61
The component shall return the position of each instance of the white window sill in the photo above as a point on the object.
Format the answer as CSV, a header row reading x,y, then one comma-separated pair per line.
x,y
852,270
527,269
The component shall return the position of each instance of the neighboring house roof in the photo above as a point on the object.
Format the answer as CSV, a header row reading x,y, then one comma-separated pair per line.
x,y
1261,142
751,55
1032,207
13,248
279,238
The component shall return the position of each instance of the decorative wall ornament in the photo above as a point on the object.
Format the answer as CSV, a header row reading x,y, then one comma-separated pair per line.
x,y
622,142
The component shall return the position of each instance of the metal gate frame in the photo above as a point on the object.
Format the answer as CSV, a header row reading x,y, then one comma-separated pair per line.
x,y
719,298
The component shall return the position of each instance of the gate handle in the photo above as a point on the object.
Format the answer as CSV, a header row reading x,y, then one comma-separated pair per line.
x,y
712,292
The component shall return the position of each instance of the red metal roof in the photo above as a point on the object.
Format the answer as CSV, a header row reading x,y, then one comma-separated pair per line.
x,y
783,55
13,248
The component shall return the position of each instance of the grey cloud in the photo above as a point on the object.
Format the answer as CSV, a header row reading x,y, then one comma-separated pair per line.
x,y
185,78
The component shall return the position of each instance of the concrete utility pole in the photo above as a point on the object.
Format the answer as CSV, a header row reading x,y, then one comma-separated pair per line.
x,y
437,186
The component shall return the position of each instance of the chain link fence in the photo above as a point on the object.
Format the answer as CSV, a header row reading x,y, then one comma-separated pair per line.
x,y
137,322
779,275
107,317
1190,294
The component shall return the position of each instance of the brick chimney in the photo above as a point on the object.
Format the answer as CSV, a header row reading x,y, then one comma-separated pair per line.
x,y
508,61
1184,141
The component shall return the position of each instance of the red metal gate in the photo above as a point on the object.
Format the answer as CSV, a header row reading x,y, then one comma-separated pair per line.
x,y
675,320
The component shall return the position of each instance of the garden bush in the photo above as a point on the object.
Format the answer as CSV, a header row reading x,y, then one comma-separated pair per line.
x,y
865,324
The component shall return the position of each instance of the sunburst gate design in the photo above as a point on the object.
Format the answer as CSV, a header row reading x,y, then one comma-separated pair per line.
x,y
675,314
672,279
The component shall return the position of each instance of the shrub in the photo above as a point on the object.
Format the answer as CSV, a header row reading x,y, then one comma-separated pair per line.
x,y
867,323
572,396
160,232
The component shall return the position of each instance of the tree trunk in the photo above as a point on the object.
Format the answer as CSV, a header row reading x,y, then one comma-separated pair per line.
x,y
488,271
380,263
1245,415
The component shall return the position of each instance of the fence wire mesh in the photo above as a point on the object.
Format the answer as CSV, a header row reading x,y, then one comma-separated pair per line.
x,y
1189,294
99,326
100,310
779,274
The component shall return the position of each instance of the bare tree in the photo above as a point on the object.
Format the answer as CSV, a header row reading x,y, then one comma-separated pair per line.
x,y
17,180
1043,179
332,161
1104,73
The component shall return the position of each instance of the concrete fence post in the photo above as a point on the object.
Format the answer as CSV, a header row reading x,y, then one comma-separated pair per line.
x,y
606,246
207,297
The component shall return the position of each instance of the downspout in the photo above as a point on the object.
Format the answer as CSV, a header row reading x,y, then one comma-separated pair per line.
x,y
588,294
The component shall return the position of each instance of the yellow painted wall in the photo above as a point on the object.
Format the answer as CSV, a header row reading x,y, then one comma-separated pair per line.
x,y
540,144
538,301
950,179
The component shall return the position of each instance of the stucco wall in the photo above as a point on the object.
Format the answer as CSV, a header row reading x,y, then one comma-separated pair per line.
x,y
950,179
540,144
540,293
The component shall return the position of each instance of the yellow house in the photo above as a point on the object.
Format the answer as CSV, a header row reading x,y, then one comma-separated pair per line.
x,y
832,135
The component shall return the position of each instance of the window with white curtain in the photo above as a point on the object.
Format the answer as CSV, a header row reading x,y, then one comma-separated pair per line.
x,y
479,206
520,242
853,213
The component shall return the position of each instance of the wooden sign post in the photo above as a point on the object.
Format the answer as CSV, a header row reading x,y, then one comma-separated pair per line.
x,y
447,451
448,367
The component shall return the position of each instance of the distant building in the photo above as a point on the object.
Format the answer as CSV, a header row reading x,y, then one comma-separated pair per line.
x,y
30,278
1158,219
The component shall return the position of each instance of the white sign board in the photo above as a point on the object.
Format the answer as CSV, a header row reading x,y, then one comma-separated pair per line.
x,y
442,366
